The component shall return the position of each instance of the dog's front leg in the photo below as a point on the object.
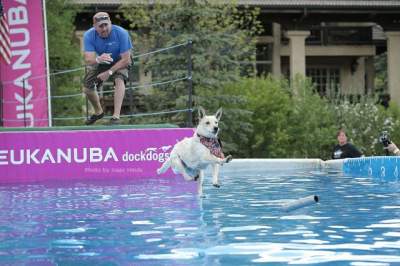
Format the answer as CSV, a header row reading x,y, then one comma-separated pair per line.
x,y
227,159
210,158
200,184
214,159
215,174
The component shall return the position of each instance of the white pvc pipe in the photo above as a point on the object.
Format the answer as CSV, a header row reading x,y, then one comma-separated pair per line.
x,y
300,203
47,64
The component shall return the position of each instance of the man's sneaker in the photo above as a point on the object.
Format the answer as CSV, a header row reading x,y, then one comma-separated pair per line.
x,y
93,118
114,121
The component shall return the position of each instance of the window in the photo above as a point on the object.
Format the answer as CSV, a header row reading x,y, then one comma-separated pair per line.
x,y
326,80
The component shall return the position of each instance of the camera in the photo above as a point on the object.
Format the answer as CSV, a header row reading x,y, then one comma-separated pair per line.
x,y
384,138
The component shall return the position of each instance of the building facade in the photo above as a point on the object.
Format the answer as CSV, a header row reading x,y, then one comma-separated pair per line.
x,y
334,42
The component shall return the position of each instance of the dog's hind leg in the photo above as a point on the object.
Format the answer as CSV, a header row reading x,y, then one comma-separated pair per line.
x,y
164,167
179,167
215,174
200,184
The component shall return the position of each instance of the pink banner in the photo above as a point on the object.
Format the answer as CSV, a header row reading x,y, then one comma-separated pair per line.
x,y
29,156
23,67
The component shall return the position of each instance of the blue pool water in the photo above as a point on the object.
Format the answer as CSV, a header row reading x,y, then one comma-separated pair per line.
x,y
162,222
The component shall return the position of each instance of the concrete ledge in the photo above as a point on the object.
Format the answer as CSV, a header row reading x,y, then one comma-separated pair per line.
x,y
333,164
249,165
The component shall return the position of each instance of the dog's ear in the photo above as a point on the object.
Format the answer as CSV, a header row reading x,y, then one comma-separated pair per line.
x,y
218,114
202,112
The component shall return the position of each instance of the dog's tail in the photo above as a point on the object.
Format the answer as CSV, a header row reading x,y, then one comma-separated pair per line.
x,y
164,167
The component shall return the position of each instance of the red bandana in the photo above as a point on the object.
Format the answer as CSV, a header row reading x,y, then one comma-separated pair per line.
x,y
214,145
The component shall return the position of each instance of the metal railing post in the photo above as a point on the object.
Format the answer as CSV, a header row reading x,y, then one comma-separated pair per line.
x,y
130,90
190,84
86,99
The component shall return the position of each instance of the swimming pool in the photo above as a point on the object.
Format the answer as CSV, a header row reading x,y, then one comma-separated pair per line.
x,y
162,222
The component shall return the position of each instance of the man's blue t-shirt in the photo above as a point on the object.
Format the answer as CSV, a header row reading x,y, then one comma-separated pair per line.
x,y
116,43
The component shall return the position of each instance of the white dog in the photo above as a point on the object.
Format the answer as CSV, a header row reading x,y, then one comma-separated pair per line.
x,y
191,156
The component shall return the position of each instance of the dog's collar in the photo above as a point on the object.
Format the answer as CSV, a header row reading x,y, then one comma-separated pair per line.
x,y
213,144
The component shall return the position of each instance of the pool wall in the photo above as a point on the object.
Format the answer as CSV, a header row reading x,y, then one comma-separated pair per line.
x,y
385,168
247,165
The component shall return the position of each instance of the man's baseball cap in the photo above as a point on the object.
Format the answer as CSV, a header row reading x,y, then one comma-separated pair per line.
x,y
101,18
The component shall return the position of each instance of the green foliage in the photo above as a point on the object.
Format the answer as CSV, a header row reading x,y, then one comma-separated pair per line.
x,y
311,123
222,35
274,120
363,122
236,125
381,73
64,53
268,101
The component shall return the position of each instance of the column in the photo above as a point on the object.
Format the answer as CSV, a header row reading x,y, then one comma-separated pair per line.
x,y
370,75
276,50
393,63
297,49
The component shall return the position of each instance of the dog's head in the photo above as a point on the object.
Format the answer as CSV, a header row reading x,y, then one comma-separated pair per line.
x,y
208,124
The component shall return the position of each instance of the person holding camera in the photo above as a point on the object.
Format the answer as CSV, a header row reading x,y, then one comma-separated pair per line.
x,y
344,149
388,145
393,149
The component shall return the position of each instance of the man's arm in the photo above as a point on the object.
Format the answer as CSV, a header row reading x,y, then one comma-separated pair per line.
x,y
393,149
92,59
355,152
123,62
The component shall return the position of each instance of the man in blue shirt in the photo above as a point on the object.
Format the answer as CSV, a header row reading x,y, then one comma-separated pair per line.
x,y
107,53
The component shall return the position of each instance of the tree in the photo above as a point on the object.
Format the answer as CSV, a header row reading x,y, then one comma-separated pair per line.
x,y
311,122
381,73
223,44
263,113
64,54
